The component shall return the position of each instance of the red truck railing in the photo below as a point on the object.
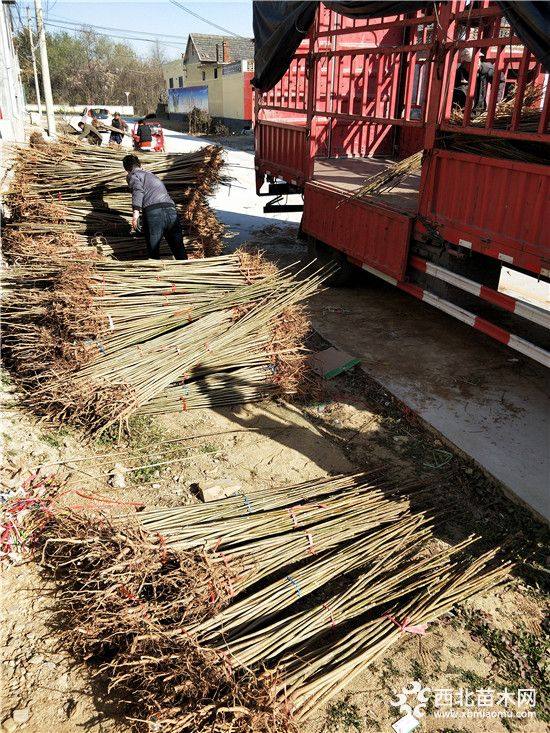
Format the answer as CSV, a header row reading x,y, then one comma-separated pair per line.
x,y
290,94
483,30
364,90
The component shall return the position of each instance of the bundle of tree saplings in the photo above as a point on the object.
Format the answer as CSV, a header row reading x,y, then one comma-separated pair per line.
x,y
182,638
83,190
530,111
315,672
94,341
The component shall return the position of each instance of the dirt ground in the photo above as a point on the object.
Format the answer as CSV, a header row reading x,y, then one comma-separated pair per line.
x,y
497,641
356,425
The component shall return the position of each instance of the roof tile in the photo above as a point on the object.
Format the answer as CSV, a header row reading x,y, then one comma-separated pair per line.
x,y
239,48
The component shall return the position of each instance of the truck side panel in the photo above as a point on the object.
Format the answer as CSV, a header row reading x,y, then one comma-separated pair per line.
x,y
281,151
467,198
375,236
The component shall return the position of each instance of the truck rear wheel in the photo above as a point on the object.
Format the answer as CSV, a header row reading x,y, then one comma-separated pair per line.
x,y
475,266
326,255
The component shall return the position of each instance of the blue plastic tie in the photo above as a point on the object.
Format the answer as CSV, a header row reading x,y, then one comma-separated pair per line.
x,y
248,504
295,584
99,345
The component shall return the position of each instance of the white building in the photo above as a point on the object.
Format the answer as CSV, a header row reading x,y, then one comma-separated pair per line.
x,y
13,116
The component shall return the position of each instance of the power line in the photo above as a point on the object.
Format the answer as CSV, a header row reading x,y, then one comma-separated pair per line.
x,y
120,30
205,20
21,24
111,35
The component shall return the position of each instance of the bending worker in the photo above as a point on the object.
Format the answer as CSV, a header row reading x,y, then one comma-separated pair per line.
x,y
160,218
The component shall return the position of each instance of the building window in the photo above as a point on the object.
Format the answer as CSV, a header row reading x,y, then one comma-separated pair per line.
x,y
180,81
216,73
204,75
171,83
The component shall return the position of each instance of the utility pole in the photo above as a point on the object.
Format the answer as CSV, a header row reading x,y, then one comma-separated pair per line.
x,y
46,83
33,55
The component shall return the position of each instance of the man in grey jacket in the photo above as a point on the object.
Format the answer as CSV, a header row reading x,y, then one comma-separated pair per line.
x,y
160,218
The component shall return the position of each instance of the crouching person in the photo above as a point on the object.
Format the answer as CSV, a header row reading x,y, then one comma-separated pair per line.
x,y
158,211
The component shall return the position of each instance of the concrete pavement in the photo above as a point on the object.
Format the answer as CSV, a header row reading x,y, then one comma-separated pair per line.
x,y
236,203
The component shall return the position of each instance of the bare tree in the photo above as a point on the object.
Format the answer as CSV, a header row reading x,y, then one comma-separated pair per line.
x,y
89,68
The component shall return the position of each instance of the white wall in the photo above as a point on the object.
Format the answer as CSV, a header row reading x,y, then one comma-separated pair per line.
x,y
12,100
78,108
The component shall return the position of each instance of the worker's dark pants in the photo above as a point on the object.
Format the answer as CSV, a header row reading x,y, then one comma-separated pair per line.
x,y
163,222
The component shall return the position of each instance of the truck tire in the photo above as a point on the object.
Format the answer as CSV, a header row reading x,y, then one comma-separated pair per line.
x,y
477,267
327,255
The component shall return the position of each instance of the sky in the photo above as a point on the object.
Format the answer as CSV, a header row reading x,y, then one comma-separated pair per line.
x,y
148,19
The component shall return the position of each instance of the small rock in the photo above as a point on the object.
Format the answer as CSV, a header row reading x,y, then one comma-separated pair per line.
x,y
156,486
116,478
400,439
63,681
469,471
21,715
220,489
9,725
36,659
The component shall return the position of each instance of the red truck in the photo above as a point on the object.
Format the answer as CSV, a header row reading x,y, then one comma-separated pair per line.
x,y
360,94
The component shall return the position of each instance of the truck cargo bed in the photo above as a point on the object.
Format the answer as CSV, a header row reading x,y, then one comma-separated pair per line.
x,y
348,174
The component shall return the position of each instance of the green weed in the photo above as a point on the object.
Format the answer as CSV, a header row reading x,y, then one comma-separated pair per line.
x,y
417,670
208,448
343,716
56,436
389,669
371,723
148,440
141,432
521,657
473,680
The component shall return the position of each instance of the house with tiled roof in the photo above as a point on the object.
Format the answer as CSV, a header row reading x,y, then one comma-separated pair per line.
x,y
206,48
214,74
